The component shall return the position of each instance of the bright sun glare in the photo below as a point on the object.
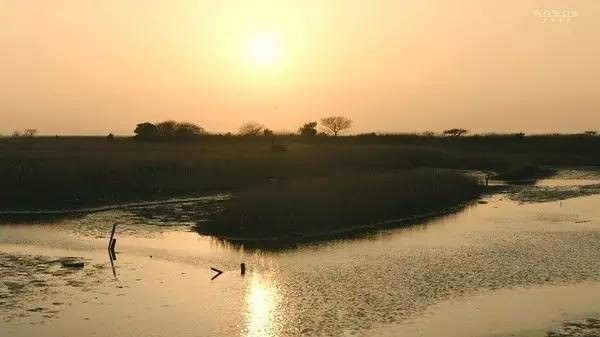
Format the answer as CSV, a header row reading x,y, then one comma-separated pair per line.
x,y
262,49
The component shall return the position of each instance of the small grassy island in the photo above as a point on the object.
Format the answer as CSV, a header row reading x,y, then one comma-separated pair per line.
x,y
320,206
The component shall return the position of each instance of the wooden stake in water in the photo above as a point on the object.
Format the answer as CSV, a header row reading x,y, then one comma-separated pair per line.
x,y
112,235
112,242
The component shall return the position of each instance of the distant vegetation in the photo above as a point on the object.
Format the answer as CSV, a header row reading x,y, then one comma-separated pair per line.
x,y
308,130
27,133
168,130
455,132
251,129
336,124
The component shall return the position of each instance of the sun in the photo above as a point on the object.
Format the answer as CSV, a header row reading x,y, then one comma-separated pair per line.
x,y
262,49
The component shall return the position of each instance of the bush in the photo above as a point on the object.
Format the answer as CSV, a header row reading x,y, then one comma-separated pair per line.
x,y
308,130
168,130
250,129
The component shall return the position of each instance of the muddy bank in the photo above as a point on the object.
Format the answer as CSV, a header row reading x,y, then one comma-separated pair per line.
x,y
535,193
565,183
86,210
588,327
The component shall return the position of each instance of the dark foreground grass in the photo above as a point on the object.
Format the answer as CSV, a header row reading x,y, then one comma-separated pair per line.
x,y
70,172
305,206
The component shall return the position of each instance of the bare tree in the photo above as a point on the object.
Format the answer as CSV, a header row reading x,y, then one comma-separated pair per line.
x,y
455,132
250,129
336,124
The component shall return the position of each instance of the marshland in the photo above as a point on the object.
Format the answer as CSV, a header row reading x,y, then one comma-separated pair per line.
x,y
532,246
366,235
311,184
262,168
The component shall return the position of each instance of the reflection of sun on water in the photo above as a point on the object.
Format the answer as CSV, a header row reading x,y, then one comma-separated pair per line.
x,y
261,299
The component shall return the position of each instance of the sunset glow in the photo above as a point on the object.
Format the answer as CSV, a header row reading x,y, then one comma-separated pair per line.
x,y
391,66
263,49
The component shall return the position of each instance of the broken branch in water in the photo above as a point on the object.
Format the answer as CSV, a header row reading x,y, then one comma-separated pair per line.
x,y
219,272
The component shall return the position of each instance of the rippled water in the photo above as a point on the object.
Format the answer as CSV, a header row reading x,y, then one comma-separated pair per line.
x,y
386,283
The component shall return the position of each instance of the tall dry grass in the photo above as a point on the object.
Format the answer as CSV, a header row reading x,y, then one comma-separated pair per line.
x,y
282,207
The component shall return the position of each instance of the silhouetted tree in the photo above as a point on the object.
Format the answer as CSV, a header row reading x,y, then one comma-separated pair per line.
x,y
146,131
186,130
250,129
167,129
29,133
308,129
455,132
110,137
336,124
591,133
428,134
268,132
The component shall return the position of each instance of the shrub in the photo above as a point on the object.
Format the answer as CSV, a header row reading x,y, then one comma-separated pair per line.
x,y
308,129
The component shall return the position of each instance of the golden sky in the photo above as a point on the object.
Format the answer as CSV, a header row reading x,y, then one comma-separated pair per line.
x,y
93,67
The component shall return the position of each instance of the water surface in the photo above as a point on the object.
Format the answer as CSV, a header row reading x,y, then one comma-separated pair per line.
x,y
501,267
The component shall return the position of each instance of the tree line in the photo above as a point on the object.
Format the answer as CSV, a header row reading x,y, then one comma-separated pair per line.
x,y
173,130
328,126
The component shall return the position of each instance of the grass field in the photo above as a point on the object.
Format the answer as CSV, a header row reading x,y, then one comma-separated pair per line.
x,y
49,172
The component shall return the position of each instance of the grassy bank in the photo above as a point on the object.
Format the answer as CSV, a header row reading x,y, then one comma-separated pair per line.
x,y
329,203
49,172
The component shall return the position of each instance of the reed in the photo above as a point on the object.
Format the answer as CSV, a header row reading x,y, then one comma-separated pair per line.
x,y
283,207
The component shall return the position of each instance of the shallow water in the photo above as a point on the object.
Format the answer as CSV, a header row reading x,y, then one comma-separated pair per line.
x,y
497,268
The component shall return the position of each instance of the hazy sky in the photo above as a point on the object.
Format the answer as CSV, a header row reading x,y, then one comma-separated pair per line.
x,y
93,67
